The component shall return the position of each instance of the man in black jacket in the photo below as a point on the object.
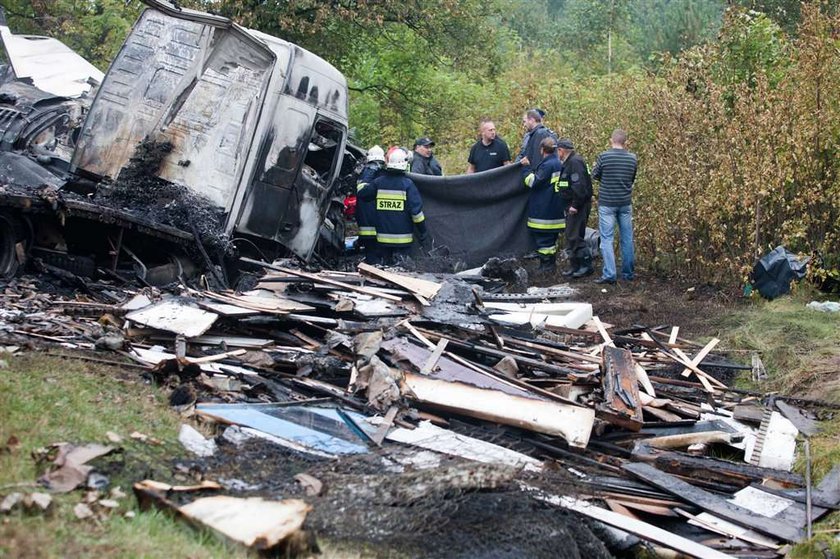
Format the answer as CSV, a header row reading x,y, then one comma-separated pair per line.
x,y
530,156
576,187
424,162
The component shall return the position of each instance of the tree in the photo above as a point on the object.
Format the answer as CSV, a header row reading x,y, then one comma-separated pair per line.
x,y
95,29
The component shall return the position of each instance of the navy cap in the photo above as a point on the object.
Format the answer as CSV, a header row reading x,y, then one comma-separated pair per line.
x,y
424,141
565,143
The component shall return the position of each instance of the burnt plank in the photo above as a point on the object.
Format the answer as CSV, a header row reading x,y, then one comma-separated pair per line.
x,y
713,469
713,503
622,405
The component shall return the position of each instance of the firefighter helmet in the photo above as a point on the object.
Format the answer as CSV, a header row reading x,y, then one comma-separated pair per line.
x,y
397,160
376,153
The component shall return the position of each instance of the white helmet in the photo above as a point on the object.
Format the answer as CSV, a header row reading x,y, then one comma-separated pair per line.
x,y
398,160
376,153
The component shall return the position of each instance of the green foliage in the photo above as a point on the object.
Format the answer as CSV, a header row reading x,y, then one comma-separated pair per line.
x,y
751,45
94,28
738,137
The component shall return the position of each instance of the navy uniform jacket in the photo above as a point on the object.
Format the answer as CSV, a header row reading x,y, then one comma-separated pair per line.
x,y
575,182
366,210
399,208
545,204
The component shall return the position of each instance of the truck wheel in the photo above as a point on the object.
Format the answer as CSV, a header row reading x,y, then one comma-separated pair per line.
x,y
10,236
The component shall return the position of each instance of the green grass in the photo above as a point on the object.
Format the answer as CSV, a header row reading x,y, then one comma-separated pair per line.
x,y
44,400
800,347
801,351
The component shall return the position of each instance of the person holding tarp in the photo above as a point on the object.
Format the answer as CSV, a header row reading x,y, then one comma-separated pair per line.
x,y
545,205
366,210
399,208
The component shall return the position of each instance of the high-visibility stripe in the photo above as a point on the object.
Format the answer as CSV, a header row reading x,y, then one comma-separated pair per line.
x,y
546,224
419,218
563,184
529,180
360,186
367,231
391,195
395,239
547,250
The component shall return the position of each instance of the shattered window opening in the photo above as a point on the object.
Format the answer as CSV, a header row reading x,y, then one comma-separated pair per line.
x,y
322,155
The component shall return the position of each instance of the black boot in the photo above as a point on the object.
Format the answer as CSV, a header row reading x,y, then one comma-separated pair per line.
x,y
585,268
547,263
574,264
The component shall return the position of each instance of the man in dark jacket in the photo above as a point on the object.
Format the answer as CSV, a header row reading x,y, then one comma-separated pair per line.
x,y
545,205
399,208
535,133
366,209
575,185
424,162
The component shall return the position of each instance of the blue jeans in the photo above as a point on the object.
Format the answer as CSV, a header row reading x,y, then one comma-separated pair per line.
x,y
608,218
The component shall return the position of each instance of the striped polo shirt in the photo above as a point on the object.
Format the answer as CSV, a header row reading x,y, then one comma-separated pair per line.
x,y
616,169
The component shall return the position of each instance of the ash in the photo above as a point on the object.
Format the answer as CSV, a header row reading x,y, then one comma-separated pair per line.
x,y
139,191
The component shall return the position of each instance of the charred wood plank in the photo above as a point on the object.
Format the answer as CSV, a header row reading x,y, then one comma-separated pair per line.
x,y
714,470
622,405
714,504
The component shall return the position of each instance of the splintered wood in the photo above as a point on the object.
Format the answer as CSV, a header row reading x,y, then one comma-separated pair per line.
x,y
332,362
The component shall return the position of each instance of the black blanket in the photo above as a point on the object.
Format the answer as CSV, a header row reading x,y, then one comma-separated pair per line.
x,y
477,216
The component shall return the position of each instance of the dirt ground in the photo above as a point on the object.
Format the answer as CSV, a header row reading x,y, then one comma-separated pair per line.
x,y
652,301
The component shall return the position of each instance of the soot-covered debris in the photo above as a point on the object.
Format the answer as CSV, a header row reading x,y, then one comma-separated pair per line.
x,y
140,191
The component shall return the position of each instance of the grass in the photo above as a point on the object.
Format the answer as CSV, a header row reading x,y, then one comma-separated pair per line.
x,y
801,351
44,400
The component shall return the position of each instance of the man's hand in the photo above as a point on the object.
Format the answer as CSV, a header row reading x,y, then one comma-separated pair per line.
x,y
524,161
572,210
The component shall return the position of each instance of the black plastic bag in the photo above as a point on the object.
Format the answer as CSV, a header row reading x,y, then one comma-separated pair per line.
x,y
772,274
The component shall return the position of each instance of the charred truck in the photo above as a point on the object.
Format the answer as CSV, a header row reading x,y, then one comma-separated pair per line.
x,y
203,141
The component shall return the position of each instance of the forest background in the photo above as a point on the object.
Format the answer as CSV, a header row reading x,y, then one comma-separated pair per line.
x,y
733,106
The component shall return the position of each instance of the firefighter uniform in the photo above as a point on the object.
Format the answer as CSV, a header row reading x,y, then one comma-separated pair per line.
x,y
545,208
398,210
366,213
576,189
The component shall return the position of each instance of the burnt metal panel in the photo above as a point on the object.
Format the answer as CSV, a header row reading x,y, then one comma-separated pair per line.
x,y
188,82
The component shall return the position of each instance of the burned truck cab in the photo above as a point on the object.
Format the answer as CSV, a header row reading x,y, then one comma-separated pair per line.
x,y
254,125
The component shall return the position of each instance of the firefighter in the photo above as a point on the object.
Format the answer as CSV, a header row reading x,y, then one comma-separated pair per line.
x,y
366,210
545,205
399,208
576,189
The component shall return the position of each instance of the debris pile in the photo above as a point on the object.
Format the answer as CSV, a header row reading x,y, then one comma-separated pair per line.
x,y
384,406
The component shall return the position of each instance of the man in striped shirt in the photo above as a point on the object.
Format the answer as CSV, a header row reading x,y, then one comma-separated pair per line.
x,y
616,170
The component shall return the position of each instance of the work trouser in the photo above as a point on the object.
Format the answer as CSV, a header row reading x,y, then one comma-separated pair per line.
x,y
393,254
545,241
576,233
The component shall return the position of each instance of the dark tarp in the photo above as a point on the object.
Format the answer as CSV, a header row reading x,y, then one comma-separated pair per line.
x,y
773,273
477,216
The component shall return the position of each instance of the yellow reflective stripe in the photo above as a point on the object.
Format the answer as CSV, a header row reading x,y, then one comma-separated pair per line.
x,y
555,179
395,239
547,250
563,184
391,195
529,180
367,231
360,186
547,224
419,218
